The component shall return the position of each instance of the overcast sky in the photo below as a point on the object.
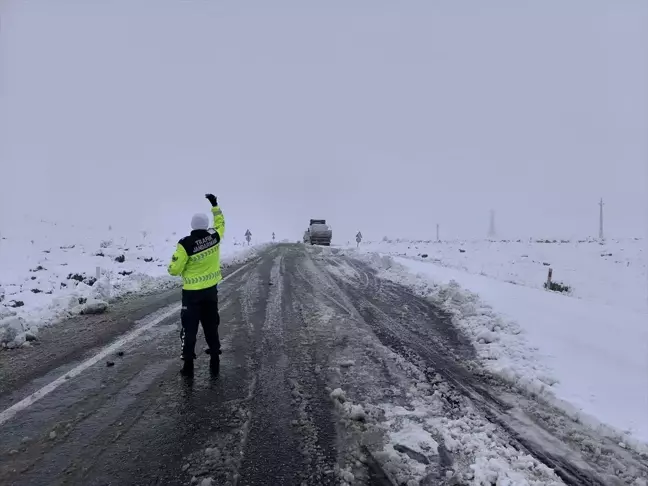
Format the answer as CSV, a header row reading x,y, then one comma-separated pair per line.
x,y
382,116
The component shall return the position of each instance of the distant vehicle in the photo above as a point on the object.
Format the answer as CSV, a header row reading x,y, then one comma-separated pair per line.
x,y
319,233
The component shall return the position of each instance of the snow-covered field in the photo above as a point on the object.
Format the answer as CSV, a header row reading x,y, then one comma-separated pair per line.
x,y
614,273
586,351
50,271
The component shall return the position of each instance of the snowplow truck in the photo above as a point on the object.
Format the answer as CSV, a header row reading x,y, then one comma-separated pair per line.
x,y
319,232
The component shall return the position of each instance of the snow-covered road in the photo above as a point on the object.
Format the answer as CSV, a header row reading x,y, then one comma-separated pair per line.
x,y
330,375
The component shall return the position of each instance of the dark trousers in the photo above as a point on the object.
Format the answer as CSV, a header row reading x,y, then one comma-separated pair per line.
x,y
199,306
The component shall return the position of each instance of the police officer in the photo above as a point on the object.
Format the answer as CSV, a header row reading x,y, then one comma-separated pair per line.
x,y
197,260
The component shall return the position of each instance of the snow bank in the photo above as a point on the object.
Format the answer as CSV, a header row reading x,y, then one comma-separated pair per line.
x,y
51,272
590,358
420,443
492,459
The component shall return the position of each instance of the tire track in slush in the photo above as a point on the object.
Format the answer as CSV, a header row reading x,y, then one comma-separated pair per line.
x,y
272,451
337,333
309,353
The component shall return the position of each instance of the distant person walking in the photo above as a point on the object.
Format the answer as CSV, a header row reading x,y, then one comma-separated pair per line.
x,y
197,260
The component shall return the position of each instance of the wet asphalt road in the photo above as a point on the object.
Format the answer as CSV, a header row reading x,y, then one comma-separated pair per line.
x,y
268,419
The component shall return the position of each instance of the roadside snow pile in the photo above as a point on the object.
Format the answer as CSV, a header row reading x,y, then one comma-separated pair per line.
x,y
428,433
614,273
499,342
428,438
53,272
589,359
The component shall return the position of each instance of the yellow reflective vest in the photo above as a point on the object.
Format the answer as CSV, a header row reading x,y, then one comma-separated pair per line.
x,y
197,256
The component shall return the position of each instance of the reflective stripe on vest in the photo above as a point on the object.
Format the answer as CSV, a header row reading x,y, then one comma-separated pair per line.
x,y
201,279
203,254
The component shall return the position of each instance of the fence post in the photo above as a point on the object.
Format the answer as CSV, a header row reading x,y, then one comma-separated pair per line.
x,y
98,273
549,274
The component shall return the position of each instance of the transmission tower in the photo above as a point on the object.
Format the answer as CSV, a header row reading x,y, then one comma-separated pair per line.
x,y
491,228
601,234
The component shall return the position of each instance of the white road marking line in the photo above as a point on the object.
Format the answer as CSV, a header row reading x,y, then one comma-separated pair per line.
x,y
9,413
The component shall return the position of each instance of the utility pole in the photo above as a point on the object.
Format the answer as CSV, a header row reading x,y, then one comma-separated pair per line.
x,y
438,232
601,234
491,227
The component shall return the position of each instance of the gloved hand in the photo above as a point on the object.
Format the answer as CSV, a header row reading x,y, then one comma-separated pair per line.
x,y
212,199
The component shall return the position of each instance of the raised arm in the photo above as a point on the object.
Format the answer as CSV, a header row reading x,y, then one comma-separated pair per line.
x,y
219,220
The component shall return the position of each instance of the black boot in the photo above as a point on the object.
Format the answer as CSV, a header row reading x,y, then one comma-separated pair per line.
x,y
187,368
214,365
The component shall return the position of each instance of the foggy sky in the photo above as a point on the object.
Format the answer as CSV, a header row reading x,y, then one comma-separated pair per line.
x,y
388,117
